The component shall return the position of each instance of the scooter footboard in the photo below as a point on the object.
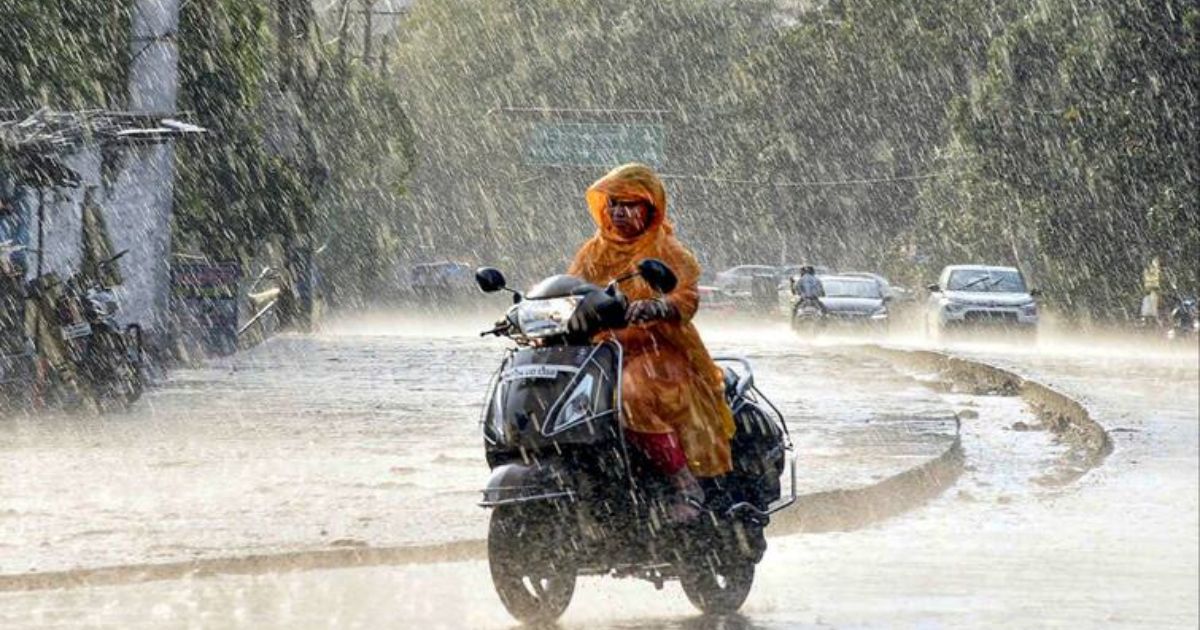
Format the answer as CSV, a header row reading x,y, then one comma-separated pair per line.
x,y
522,483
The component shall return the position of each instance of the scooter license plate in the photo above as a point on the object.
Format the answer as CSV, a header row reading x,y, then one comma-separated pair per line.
x,y
75,331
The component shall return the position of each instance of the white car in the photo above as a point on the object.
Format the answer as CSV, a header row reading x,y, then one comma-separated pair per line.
x,y
981,295
739,281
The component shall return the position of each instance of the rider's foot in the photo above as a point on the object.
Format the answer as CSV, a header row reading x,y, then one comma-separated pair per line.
x,y
685,506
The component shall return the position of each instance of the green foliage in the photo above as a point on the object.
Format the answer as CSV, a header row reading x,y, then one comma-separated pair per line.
x,y
1023,131
323,161
230,188
367,146
64,54
462,62
856,94
1078,146
1009,131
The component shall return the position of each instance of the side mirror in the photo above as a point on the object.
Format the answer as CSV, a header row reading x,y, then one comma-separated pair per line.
x,y
658,275
934,288
489,279
1035,293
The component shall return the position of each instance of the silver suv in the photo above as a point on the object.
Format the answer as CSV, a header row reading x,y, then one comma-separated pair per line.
x,y
981,295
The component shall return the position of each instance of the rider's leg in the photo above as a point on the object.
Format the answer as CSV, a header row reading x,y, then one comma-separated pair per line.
x,y
666,454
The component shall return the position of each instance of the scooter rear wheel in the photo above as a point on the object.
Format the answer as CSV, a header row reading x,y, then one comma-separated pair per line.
x,y
531,568
807,325
719,590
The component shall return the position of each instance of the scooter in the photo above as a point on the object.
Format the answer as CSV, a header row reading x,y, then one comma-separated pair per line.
x,y
1184,322
808,317
106,359
568,494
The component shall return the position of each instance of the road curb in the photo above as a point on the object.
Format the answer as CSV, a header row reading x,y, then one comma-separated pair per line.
x,y
1087,441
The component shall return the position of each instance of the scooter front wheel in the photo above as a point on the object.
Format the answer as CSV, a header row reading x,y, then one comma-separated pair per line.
x,y
531,566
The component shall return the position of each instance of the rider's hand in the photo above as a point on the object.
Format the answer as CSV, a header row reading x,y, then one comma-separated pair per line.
x,y
642,311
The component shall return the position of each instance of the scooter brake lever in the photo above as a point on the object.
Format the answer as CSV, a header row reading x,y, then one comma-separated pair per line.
x,y
495,331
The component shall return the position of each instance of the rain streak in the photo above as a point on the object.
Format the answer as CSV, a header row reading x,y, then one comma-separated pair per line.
x,y
645,314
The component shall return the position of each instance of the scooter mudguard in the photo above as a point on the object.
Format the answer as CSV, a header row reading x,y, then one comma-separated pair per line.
x,y
523,483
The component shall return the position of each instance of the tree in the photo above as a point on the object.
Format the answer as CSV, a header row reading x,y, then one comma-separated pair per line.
x,y
64,54
1079,144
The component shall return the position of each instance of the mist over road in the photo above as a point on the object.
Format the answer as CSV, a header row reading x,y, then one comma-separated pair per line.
x,y
359,449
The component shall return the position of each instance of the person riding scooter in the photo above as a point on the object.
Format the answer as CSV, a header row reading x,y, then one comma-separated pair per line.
x,y
1183,317
675,410
809,288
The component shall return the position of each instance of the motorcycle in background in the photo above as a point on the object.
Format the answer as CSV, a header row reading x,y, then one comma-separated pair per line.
x,y
1184,322
807,317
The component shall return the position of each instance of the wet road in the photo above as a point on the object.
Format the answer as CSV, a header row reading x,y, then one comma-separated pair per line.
x,y
367,436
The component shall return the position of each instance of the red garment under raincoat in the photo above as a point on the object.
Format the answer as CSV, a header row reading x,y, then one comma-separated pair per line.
x,y
670,383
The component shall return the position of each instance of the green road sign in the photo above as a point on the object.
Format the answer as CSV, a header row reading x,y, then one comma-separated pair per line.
x,y
595,144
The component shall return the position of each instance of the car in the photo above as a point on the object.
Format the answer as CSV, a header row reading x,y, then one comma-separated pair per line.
x,y
885,287
982,295
713,299
441,281
853,300
739,281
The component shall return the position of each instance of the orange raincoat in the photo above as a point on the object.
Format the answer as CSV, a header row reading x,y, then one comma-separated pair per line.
x,y
670,383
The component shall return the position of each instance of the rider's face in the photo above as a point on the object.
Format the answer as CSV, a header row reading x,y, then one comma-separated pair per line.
x,y
629,218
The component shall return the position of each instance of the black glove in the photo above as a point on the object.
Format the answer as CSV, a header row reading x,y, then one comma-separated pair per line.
x,y
643,311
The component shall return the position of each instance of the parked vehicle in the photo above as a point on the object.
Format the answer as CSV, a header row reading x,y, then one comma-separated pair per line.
x,y
568,495
77,332
981,295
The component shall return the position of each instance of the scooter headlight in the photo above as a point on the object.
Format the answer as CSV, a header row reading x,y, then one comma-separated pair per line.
x,y
544,318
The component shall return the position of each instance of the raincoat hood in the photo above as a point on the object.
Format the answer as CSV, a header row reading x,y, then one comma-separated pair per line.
x,y
630,182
